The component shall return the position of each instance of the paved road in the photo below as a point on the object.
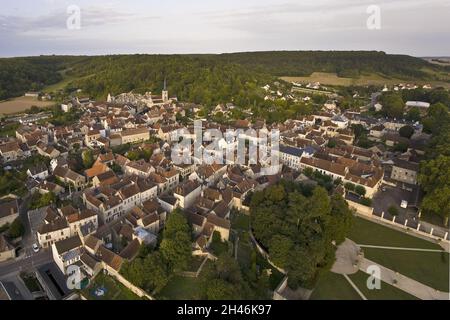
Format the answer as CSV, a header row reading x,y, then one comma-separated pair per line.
x,y
16,266
406,284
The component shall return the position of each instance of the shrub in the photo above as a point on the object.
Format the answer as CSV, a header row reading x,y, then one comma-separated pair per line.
x,y
366,202
393,211
360,190
16,229
349,186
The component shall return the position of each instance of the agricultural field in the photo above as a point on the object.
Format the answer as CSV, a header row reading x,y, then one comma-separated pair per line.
x,y
21,104
332,79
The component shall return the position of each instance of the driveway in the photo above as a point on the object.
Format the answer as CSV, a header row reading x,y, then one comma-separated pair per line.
x,y
393,196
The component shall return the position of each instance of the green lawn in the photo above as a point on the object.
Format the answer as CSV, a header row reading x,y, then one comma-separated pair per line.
x,y
365,232
181,288
430,268
333,286
114,289
387,292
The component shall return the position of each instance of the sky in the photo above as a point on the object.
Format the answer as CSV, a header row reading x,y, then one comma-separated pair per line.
x,y
35,27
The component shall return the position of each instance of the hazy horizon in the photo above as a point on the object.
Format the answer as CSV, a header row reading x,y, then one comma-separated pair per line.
x,y
107,27
210,53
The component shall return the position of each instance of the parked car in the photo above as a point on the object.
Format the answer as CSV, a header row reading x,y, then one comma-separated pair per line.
x,y
35,248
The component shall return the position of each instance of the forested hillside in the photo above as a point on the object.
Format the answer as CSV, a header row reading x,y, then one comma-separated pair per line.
x,y
204,79
22,74
199,79
343,63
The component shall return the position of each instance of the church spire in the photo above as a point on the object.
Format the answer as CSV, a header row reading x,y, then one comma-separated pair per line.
x,y
165,93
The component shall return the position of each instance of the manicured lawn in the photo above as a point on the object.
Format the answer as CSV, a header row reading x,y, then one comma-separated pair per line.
x,y
430,268
114,289
365,232
333,286
387,292
181,288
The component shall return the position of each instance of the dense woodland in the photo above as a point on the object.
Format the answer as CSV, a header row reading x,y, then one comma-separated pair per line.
x,y
343,63
300,227
205,79
434,177
18,75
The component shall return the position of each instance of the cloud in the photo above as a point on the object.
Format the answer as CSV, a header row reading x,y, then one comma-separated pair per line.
x,y
112,26
56,20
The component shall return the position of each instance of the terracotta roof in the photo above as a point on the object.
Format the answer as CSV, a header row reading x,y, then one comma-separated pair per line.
x,y
325,165
109,257
92,242
96,170
131,250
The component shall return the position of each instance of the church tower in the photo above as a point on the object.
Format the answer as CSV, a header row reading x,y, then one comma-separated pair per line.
x,y
165,93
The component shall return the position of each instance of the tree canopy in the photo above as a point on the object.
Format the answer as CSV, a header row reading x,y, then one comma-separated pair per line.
x,y
434,176
298,227
176,246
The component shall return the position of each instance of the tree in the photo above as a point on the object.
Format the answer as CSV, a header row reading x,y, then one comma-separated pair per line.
x,y
360,190
218,289
401,147
393,105
280,250
149,273
437,118
358,130
349,186
16,229
414,114
340,221
332,143
406,132
40,201
298,229
393,211
176,244
88,158
434,178
156,273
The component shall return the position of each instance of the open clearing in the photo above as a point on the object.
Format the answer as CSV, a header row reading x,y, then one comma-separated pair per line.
x,y
429,268
21,104
364,80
